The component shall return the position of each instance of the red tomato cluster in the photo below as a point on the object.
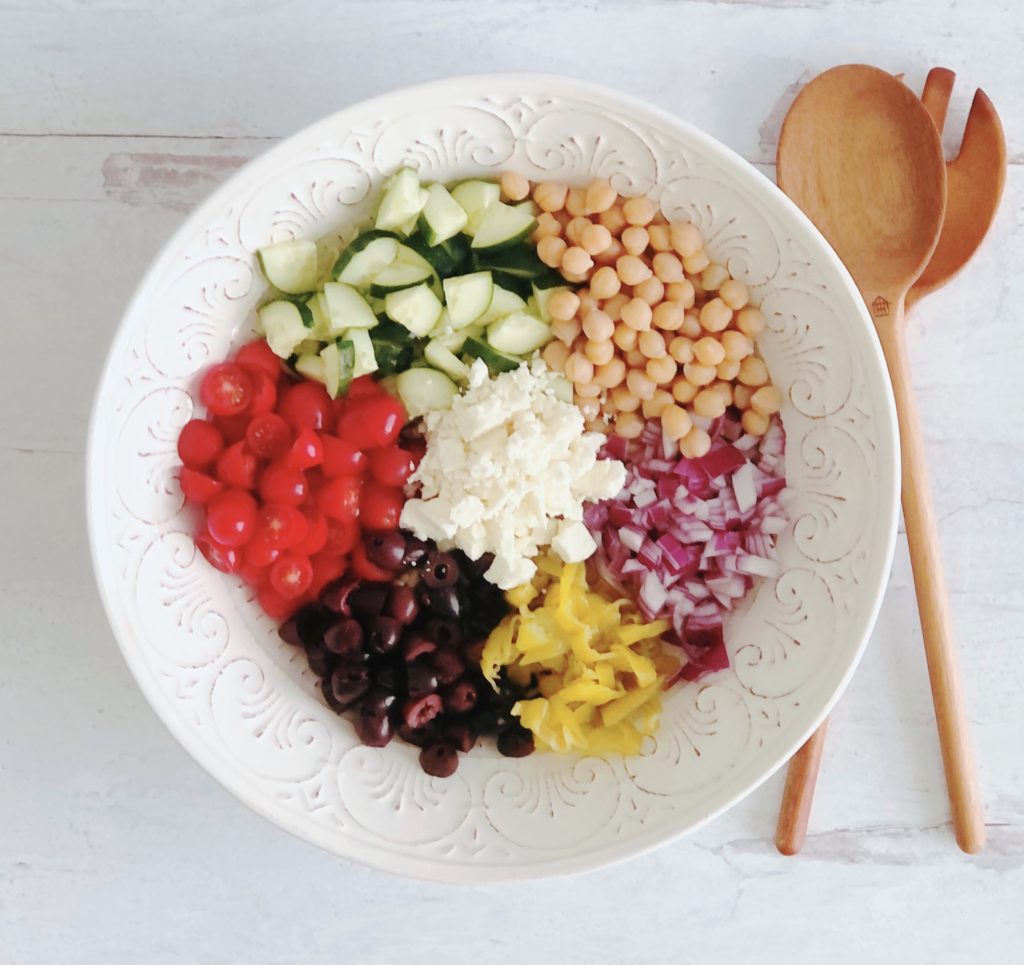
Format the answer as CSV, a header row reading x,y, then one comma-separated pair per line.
x,y
289,479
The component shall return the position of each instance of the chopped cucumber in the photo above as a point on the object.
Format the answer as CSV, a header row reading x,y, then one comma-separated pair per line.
x,y
364,361
443,358
503,302
393,346
503,226
402,203
283,324
542,296
450,257
346,308
418,308
518,334
562,389
453,341
317,306
425,390
399,276
468,297
475,197
311,346
339,361
520,261
512,283
290,266
365,258
311,366
494,360
442,216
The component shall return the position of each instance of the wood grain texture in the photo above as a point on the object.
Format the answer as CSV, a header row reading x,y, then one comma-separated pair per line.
x,y
116,848
798,793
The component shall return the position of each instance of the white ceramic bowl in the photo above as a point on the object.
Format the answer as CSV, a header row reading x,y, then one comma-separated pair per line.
x,y
244,705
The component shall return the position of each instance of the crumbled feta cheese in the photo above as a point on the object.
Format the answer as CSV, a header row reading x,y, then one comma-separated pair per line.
x,y
507,470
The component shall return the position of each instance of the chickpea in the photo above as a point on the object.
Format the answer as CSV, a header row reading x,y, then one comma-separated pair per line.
x,y
767,400
599,352
625,338
590,409
562,217
714,276
632,270
683,391
628,425
610,374
566,329
709,403
575,202
587,303
578,368
714,316
709,351
699,295
691,325
654,406
668,316
610,255
550,196
635,359
563,305
555,354
587,390
634,240
661,371
686,238
754,423
550,250
639,384
750,321
605,282
681,291
696,263
651,291
724,389
547,227
639,211
737,345
600,196
741,396
598,326
734,293
614,305
574,230
695,444
697,374
652,344
728,370
613,219
577,261
668,267
681,349
574,277
753,371
514,186
636,313
594,238
624,400
675,421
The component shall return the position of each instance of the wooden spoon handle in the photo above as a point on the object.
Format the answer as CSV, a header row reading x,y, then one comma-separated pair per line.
x,y
932,600
798,794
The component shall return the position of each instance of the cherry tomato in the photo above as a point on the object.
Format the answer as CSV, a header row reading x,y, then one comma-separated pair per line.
x,y
237,466
380,508
258,552
274,605
372,422
341,458
221,557
291,575
279,484
268,435
199,443
316,532
252,575
307,450
307,404
391,466
197,487
264,393
280,526
258,356
366,570
326,569
231,517
362,388
339,498
342,537
226,389
232,427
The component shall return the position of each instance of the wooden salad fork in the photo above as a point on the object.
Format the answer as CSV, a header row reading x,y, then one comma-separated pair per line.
x,y
974,186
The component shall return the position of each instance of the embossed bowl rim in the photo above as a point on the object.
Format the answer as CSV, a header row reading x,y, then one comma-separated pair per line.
x,y
738,169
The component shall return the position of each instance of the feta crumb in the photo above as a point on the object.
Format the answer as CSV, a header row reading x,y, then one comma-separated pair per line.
x,y
573,542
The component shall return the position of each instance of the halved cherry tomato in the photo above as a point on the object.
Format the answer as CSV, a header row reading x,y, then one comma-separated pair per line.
x,y
252,575
268,435
380,507
231,517
307,404
291,575
341,458
226,389
281,526
362,388
237,466
259,552
372,422
339,498
366,570
232,427
258,356
199,444
316,532
197,487
342,537
307,450
391,466
274,605
224,558
264,392
326,569
280,484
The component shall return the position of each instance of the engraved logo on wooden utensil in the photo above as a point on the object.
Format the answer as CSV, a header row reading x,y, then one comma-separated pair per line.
x,y
879,307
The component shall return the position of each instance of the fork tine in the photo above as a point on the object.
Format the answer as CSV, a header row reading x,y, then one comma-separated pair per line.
x,y
938,88
983,134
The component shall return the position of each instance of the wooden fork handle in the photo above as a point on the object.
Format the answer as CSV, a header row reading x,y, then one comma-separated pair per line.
x,y
798,794
932,600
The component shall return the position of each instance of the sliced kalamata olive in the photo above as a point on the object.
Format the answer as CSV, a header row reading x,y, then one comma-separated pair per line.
x,y
368,599
447,665
476,568
415,551
289,631
386,550
444,602
335,595
374,729
460,734
418,736
491,720
320,661
460,697
348,682
440,570
344,636
419,711
384,635
473,653
515,742
402,604
445,633
389,676
416,645
439,759
420,678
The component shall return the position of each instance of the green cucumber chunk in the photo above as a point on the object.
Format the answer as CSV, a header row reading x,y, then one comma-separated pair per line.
x,y
494,360
290,266
442,216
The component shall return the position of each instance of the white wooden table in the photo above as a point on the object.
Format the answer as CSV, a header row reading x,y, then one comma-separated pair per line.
x,y
116,117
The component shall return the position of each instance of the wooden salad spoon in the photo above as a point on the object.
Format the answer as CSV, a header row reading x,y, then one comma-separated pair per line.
x,y
860,154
